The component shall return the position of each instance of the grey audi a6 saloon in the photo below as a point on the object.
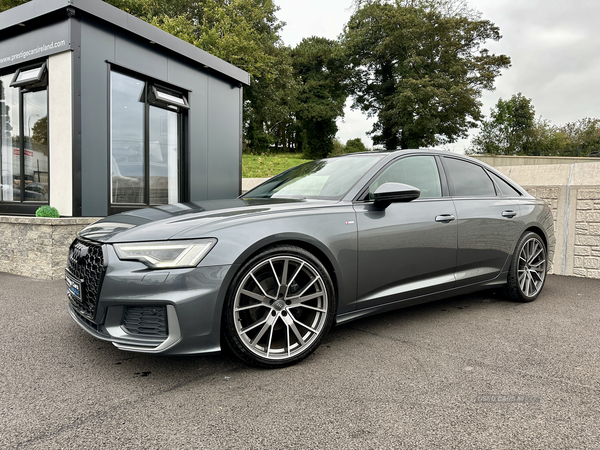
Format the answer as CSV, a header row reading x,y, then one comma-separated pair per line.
x,y
329,241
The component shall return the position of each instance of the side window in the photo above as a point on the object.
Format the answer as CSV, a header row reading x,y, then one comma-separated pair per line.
x,y
468,179
506,189
418,171
24,149
145,143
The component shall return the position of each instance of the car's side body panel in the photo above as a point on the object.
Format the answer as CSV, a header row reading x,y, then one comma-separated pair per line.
x,y
404,251
486,238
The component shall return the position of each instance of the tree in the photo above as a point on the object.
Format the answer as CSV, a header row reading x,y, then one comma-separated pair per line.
x,y
583,136
319,66
420,70
510,130
7,4
549,140
355,145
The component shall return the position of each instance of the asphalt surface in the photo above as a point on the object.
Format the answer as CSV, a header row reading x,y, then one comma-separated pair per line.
x,y
474,372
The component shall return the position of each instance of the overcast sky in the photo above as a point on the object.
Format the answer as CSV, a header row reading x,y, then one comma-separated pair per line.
x,y
554,46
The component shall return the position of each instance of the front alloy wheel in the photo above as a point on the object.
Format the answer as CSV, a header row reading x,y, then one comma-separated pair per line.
x,y
280,308
527,272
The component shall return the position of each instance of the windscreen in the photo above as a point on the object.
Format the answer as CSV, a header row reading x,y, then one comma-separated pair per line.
x,y
327,179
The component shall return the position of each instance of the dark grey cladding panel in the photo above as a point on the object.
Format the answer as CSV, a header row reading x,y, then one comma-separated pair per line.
x,y
29,10
114,17
97,46
223,139
143,59
29,46
181,74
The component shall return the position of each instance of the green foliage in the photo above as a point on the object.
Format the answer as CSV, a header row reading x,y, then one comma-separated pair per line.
x,y
583,137
510,130
338,148
319,136
40,131
244,33
355,145
267,165
47,211
7,4
420,70
319,66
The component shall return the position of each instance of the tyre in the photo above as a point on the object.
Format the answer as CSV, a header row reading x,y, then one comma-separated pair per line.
x,y
527,272
279,307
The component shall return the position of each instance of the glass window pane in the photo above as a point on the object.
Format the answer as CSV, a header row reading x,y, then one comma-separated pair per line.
x,y
127,139
35,142
418,171
10,165
164,151
506,189
469,179
169,98
31,74
324,179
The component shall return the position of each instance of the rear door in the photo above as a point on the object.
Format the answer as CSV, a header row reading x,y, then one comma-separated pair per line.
x,y
487,222
407,249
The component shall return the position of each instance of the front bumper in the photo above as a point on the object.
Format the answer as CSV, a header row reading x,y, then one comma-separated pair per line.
x,y
113,330
192,299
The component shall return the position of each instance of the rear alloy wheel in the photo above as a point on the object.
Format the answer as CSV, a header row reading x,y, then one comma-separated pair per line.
x,y
527,272
279,308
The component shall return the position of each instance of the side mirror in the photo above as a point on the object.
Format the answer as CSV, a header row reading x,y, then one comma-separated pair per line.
x,y
393,193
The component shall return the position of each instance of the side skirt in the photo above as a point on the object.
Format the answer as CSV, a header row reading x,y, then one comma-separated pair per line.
x,y
348,317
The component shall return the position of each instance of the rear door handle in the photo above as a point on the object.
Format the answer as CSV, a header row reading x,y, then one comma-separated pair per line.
x,y
509,214
445,218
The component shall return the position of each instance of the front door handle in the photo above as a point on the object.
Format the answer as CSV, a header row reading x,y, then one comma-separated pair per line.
x,y
509,214
445,218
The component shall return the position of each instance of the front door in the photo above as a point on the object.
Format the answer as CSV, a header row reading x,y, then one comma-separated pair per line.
x,y
407,249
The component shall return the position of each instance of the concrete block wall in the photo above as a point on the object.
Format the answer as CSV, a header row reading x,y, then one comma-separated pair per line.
x,y
573,193
586,258
37,247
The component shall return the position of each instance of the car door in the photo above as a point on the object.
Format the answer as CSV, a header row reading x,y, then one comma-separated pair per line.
x,y
407,249
487,222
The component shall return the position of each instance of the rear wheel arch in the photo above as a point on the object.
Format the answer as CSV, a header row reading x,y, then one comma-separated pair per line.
x,y
528,267
537,230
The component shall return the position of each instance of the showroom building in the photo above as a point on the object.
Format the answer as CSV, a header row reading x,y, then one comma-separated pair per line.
x,y
101,112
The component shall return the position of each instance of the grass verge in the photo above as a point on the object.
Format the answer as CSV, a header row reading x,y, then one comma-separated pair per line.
x,y
269,164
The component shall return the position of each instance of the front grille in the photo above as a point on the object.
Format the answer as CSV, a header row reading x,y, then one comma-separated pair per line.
x,y
146,320
86,263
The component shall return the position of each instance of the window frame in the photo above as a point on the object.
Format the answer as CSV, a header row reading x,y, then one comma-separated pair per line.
x,y
363,195
22,206
40,80
451,184
182,141
499,191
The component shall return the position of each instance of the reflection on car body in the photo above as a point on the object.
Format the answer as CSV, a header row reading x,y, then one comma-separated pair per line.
x,y
326,242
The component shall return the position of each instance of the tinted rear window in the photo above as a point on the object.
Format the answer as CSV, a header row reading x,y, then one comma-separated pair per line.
x,y
468,179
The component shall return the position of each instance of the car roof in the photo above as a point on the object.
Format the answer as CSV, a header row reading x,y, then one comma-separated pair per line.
x,y
397,152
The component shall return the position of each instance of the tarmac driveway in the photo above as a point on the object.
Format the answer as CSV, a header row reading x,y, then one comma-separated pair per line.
x,y
472,372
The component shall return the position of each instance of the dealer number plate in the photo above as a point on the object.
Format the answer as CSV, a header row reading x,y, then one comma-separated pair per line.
x,y
74,288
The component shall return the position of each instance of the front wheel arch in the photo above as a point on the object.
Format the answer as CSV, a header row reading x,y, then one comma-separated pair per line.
x,y
311,245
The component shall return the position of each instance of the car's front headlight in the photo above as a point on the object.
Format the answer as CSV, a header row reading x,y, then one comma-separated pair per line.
x,y
166,254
